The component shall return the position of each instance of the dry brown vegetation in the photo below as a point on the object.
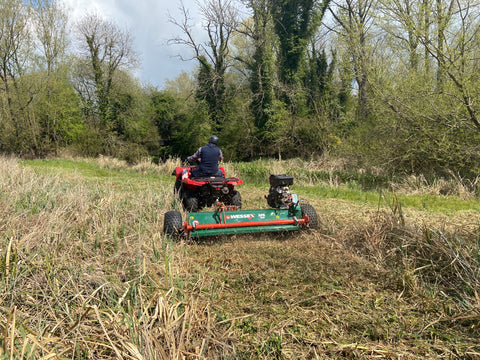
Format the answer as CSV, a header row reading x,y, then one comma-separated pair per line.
x,y
87,274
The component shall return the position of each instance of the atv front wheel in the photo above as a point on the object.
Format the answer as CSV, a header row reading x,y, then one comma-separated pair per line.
x,y
309,210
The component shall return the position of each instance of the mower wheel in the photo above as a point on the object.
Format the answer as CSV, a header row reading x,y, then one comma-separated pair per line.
x,y
190,202
236,200
309,210
172,223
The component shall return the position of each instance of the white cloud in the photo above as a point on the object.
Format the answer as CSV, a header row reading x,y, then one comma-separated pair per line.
x,y
147,21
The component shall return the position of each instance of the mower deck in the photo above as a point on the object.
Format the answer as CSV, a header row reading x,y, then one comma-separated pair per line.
x,y
225,222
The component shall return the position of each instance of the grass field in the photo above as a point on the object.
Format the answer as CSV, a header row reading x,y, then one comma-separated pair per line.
x,y
86,273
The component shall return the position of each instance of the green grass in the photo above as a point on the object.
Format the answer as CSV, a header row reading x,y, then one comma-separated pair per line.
x,y
123,177
433,203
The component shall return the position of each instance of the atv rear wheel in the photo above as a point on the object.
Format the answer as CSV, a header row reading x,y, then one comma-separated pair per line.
x,y
172,223
236,200
309,210
190,202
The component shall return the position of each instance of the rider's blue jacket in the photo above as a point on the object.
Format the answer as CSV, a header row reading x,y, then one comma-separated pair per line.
x,y
207,157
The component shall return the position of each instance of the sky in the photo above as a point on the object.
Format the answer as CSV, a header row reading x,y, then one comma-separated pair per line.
x,y
148,22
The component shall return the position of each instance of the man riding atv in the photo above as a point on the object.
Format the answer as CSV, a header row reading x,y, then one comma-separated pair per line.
x,y
206,185
207,158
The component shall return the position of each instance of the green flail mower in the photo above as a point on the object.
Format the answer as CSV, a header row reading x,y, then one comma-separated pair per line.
x,y
287,213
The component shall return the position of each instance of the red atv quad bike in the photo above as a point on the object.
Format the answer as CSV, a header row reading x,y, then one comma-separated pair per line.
x,y
199,192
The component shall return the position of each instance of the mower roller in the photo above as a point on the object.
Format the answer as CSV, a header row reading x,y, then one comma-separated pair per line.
x,y
287,213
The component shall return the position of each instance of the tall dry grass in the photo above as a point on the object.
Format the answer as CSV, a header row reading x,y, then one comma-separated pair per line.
x,y
440,261
336,173
87,274
455,185
144,166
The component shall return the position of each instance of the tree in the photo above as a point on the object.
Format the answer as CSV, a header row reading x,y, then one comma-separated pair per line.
x,y
455,55
220,22
106,49
427,121
50,21
262,62
318,81
295,22
182,124
40,111
355,19
15,46
401,18
136,131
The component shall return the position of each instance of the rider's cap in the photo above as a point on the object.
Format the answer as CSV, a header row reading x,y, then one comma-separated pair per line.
x,y
213,140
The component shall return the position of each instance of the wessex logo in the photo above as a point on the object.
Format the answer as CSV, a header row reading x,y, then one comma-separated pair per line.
x,y
240,216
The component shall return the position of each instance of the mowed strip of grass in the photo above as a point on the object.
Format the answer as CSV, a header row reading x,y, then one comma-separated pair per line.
x,y
305,296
